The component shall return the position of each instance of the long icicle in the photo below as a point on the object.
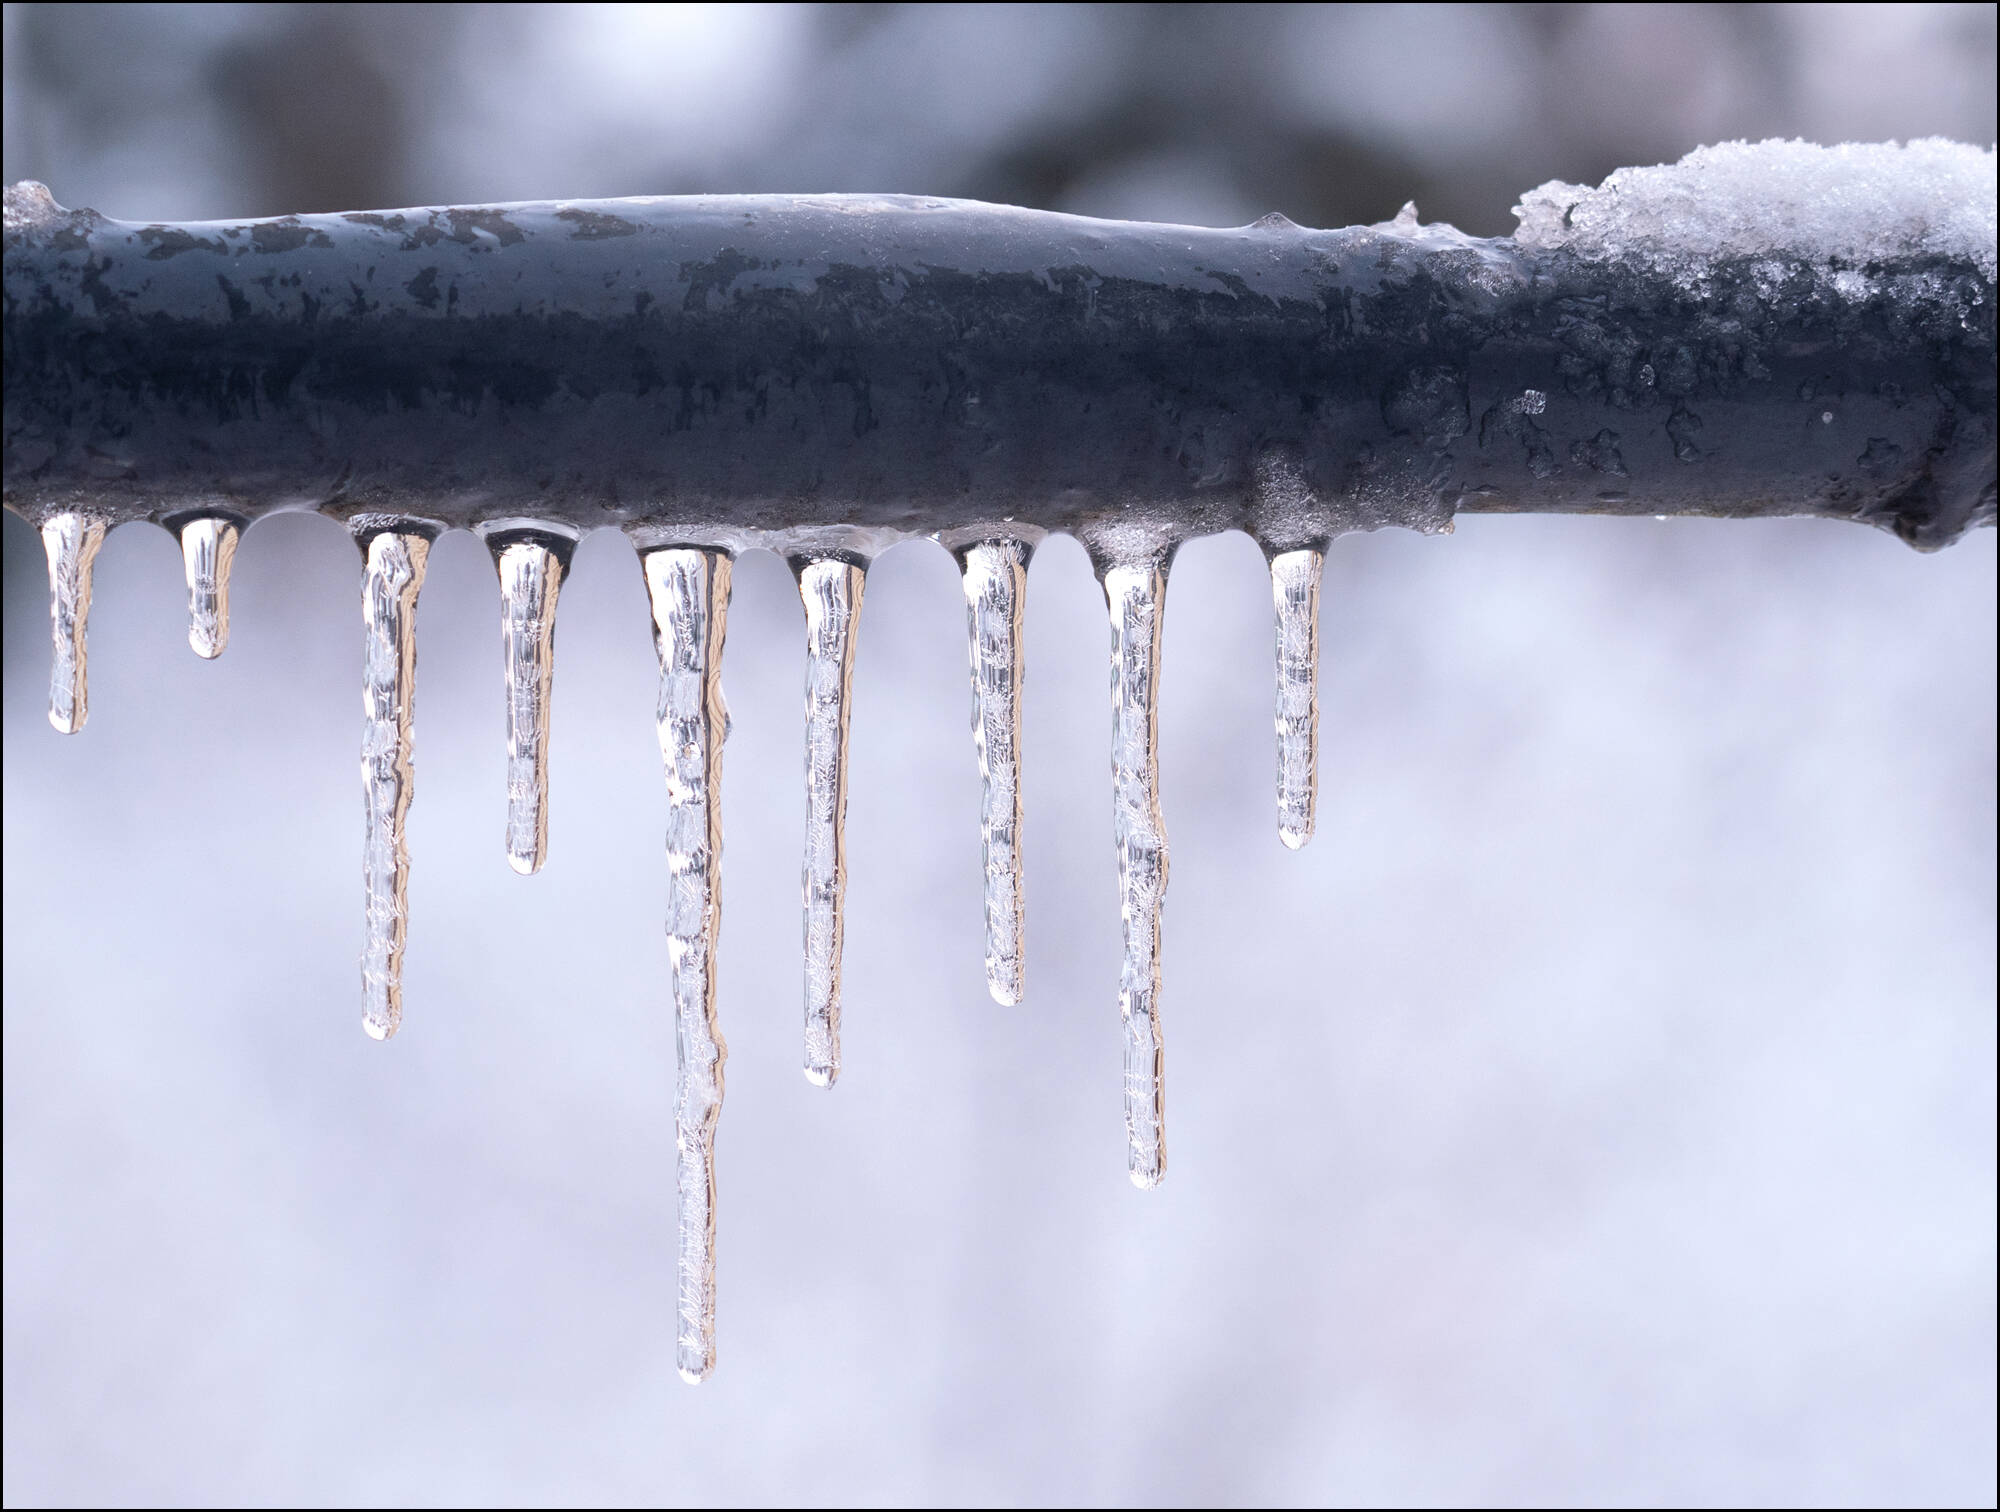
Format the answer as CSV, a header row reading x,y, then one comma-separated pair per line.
x,y
831,589
1136,595
1295,577
995,579
208,548
395,573
531,577
689,590
71,542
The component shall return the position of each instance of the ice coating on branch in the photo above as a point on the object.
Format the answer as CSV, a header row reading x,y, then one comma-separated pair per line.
x,y
689,592
831,589
71,542
1848,205
393,577
996,580
1136,594
531,576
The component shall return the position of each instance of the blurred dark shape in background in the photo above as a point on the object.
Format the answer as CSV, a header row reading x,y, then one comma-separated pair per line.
x,y
1210,114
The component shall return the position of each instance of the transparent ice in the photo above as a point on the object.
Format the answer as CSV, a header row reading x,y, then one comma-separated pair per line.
x,y
689,592
531,576
996,580
831,589
71,542
391,581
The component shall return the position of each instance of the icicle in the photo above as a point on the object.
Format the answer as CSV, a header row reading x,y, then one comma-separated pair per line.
x,y
208,547
831,589
996,577
71,542
394,574
1295,579
1137,595
689,590
531,576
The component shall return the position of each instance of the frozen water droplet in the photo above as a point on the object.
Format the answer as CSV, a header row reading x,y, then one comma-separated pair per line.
x,y
1826,417
996,580
71,542
689,592
831,589
1406,218
208,548
390,583
531,575
1136,595
1295,579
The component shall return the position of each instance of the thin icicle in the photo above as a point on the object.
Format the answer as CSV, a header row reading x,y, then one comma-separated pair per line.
x,y
71,542
1137,595
395,572
1295,579
996,578
689,590
832,592
531,576
208,547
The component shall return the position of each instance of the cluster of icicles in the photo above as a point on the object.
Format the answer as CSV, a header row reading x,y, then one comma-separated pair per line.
x,y
689,592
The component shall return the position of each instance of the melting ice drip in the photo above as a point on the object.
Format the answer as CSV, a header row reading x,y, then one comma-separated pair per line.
x,y
689,592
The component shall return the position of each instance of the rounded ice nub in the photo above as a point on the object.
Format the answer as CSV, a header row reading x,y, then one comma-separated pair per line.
x,y
71,541
208,549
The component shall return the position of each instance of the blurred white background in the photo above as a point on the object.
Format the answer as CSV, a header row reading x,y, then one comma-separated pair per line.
x,y
1601,1110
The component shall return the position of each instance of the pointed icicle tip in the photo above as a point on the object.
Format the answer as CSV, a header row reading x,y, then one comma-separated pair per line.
x,y
71,542
831,590
208,549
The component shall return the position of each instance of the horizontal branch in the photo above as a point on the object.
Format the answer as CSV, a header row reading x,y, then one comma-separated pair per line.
x,y
782,370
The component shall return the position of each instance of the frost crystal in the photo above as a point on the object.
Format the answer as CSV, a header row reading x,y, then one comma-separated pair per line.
x,y
1857,203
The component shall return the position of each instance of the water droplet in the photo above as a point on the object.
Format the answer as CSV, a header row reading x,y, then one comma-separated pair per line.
x,y
831,589
393,576
531,575
1295,580
996,580
208,548
1826,417
1136,595
689,593
71,542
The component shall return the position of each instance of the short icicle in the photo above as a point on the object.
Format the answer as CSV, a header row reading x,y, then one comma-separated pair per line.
x,y
1136,594
831,589
531,575
208,548
689,590
71,542
395,573
996,579
1295,578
